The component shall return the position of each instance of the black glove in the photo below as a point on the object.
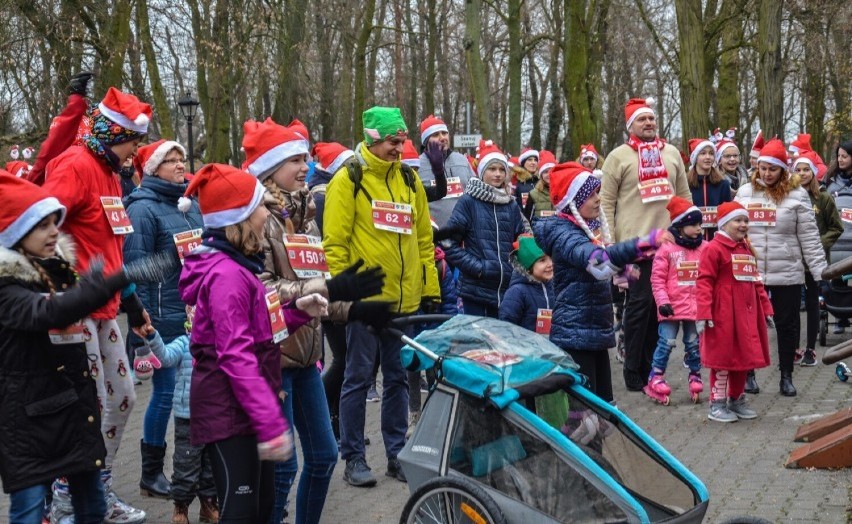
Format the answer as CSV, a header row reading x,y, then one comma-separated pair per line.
x,y
666,310
430,305
351,285
374,314
435,154
133,307
446,233
79,83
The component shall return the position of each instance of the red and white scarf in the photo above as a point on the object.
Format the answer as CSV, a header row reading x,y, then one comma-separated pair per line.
x,y
650,158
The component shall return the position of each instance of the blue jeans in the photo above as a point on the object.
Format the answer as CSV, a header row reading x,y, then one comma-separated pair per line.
x,y
87,496
362,348
159,410
668,338
306,407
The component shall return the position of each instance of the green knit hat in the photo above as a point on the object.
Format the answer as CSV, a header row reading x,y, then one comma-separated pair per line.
x,y
527,251
381,123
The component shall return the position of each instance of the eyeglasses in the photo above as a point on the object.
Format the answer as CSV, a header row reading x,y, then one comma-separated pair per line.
x,y
174,161
731,157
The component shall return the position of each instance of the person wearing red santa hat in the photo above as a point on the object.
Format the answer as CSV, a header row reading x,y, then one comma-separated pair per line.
x,y
733,340
639,179
709,187
728,158
830,229
236,333
755,153
538,203
590,158
784,234
448,164
98,223
525,175
585,261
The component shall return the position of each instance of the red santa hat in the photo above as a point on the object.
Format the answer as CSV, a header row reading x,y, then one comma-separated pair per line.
x,y
696,145
682,212
774,153
546,160
525,154
301,129
332,155
729,211
429,126
126,110
149,157
757,146
801,144
725,141
513,161
588,151
226,195
486,153
570,181
268,144
18,168
24,206
811,159
636,107
409,154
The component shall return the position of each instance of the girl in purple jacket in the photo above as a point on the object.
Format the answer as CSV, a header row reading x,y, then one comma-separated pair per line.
x,y
234,405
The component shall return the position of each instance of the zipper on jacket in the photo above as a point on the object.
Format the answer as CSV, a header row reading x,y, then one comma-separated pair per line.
x,y
546,298
160,299
398,243
499,257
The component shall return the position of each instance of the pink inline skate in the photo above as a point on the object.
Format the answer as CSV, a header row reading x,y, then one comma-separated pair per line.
x,y
657,388
695,386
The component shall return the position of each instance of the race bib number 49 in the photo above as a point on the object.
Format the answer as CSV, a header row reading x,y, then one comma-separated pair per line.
x,y
655,190
393,217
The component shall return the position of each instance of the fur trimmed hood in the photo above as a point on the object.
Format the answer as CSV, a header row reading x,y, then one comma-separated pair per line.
x,y
521,270
15,265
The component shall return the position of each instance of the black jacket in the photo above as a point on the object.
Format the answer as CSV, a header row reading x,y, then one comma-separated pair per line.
x,y
49,420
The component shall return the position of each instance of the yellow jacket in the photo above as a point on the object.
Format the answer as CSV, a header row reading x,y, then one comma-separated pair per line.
x,y
349,233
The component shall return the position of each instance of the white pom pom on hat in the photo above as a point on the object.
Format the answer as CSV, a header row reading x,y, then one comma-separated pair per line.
x,y
184,204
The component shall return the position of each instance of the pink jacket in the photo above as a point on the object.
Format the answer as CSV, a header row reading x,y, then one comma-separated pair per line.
x,y
668,288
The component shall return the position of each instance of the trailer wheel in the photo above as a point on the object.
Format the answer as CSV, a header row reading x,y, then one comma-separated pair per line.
x,y
451,500
823,327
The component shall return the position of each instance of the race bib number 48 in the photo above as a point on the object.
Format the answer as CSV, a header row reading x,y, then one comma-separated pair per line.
x,y
393,217
744,268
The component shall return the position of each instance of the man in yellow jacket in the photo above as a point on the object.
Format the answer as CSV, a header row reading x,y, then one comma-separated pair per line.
x,y
382,217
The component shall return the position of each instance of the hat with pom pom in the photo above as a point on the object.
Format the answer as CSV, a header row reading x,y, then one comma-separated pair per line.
x,y
636,107
268,144
126,110
332,155
226,195
486,153
409,155
682,212
431,125
149,157
570,181
546,160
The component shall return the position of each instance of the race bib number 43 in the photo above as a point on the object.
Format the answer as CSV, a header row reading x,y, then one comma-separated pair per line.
x,y
393,217
116,215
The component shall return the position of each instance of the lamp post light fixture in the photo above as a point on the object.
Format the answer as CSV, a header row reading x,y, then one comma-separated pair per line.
x,y
188,108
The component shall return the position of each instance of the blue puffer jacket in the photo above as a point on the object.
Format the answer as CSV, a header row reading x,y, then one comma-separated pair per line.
x,y
524,298
175,354
152,209
488,221
582,315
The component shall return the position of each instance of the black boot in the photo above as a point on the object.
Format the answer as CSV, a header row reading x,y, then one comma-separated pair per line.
x,y
787,388
751,384
153,483
633,381
335,428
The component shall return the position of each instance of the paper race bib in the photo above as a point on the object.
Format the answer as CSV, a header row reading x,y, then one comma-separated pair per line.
x,y
709,216
72,334
393,217
546,213
116,215
491,357
655,190
761,214
542,321
454,187
687,272
276,317
306,256
744,268
524,198
186,241
846,215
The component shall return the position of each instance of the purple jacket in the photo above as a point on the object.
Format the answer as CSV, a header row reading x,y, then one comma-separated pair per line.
x,y
237,375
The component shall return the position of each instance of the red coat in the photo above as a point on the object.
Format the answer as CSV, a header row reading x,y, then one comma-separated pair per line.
x,y
60,136
78,179
738,341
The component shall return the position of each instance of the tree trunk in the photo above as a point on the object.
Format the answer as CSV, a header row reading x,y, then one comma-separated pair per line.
x,y
815,67
555,115
728,92
694,93
476,67
162,109
115,47
219,92
516,57
360,66
428,82
770,75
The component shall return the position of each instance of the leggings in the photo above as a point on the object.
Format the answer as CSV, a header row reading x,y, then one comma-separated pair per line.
x,y
110,368
245,485
812,309
595,366
726,384
785,302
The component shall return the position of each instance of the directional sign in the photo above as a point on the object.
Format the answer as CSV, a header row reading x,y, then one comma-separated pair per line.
x,y
461,141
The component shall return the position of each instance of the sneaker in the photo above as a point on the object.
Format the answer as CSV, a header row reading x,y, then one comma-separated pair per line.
x,y
798,356
424,386
357,473
838,329
373,394
809,359
413,418
633,381
395,470
740,408
720,413
119,512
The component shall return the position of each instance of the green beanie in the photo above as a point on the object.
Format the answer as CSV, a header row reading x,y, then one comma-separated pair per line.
x,y
528,252
381,123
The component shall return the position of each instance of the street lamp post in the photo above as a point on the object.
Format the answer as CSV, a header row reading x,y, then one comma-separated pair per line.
x,y
188,108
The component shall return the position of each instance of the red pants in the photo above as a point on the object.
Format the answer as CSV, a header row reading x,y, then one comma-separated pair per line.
x,y
726,384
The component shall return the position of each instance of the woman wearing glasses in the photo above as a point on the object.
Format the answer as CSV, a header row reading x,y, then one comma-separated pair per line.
x,y
158,227
728,159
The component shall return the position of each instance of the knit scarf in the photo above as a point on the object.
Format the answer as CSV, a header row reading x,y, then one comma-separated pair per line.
x,y
104,133
683,240
215,238
486,193
650,158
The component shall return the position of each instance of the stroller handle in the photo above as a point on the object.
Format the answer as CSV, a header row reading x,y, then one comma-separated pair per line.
x,y
396,325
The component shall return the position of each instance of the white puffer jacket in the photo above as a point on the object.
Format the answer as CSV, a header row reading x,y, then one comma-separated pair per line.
x,y
782,249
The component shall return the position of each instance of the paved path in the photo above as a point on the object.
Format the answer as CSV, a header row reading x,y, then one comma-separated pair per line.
x,y
741,463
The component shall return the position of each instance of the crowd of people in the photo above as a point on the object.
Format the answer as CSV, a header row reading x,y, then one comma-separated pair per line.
x,y
256,295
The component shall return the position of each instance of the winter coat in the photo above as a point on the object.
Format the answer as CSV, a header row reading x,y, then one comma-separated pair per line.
x,y
626,214
524,183
710,195
491,221
538,202
79,180
449,294
176,354
738,341
582,314
840,181
50,425
455,166
407,259
153,211
304,347
525,297
317,185
237,375
782,248
60,135
827,218
664,280
842,248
